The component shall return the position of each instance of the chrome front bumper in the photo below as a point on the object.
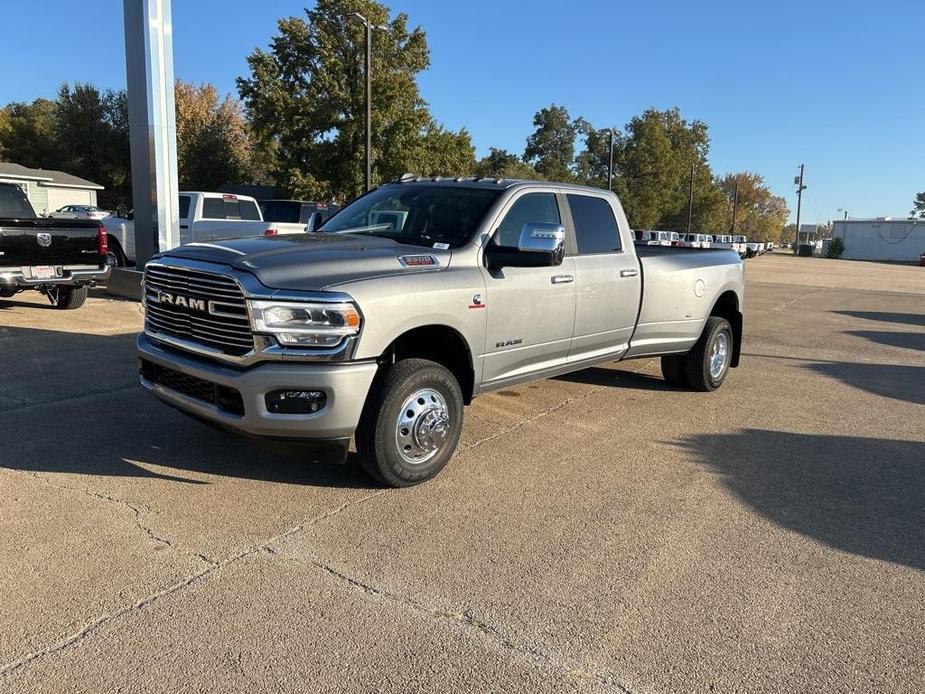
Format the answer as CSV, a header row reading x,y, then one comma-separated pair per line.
x,y
346,386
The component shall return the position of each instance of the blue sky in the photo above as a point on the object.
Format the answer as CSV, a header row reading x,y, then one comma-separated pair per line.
x,y
836,85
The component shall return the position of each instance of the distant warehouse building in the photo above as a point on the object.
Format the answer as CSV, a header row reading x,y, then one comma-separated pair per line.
x,y
881,239
49,190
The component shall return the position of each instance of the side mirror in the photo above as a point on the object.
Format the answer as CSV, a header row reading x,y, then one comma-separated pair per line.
x,y
542,238
541,244
314,221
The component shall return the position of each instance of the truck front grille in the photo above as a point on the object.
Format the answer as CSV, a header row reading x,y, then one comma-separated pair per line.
x,y
197,306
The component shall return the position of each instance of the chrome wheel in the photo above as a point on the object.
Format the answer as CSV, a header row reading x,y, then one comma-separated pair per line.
x,y
422,427
719,356
112,259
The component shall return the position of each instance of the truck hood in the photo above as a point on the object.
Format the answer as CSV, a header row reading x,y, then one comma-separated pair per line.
x,y
314,262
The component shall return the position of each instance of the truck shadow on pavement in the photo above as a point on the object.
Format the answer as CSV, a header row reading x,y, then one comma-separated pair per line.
x,y
887,317
906,340
860,495
617,378
60,413
896,381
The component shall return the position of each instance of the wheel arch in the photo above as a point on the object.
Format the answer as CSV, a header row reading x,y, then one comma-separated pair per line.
x,y
727,306
438,343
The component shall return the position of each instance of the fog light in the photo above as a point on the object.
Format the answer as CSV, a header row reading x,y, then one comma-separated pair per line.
x,y
296,401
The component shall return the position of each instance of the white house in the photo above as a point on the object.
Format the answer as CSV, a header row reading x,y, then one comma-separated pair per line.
x,y
49,190
881,239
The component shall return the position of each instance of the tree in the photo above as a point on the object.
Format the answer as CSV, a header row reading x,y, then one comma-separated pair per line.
x,y
760,214
28,136
551,147
654,160
592,165
92,139
442,152
213,139
503,164
305,100
918,206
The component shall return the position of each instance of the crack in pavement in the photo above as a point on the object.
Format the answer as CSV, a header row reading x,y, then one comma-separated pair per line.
x,y
28,404
12,667
464,619
529,420
135,508
469,621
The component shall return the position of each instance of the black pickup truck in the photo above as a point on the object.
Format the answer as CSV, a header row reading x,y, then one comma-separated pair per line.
x,y
60,258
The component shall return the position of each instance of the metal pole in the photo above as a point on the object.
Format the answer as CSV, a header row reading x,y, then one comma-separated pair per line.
x,y
610,169
690,202
369,107
800,186
152,126
735,205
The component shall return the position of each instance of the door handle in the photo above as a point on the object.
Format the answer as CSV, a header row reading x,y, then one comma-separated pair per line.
x,y
628,273
184,226
562,279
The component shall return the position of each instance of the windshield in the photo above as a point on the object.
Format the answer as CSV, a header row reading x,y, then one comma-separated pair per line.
x,y
434,216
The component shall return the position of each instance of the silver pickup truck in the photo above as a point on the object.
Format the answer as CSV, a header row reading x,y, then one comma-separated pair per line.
x,y
414,299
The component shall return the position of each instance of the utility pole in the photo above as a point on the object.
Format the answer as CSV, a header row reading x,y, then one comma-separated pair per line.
x,y
735,205
356,16
800,188
610,168
690,202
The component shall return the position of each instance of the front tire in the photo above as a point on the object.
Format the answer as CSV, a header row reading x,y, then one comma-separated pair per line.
x,y
411,423
708,362
67,298
115,258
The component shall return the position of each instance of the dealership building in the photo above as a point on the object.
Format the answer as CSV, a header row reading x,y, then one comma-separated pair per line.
x,y
49,190
901,240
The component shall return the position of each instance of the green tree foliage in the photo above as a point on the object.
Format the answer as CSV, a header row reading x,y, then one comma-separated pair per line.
x,y
835,249
504,164
551,148
592,165
918,206
760,214
29,135
654,162
305,99
213,139
92,139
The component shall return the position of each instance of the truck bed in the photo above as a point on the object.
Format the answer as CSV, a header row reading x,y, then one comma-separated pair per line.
x,y
679,287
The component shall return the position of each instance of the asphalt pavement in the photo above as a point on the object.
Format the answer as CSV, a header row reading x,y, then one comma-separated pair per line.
x,y
597,532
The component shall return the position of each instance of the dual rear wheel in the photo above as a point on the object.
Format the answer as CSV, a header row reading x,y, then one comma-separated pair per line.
x,y
704,368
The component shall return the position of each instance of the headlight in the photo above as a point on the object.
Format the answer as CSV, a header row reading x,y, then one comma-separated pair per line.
x,y
305,325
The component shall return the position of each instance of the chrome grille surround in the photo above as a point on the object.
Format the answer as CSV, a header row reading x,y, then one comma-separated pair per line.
x,y
212,310
264,347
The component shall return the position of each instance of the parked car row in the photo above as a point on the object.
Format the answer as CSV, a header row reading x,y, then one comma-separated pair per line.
x,y
737,243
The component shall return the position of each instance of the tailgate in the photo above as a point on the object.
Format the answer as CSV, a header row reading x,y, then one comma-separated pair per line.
x,y
49,242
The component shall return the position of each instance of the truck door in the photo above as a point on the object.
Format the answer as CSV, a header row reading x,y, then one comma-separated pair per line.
x,y
530,310
607,279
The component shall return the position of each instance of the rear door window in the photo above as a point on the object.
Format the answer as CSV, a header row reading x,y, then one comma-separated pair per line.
x,y
184,206
595,226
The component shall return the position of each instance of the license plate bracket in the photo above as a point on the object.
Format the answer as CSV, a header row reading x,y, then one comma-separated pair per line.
x,y
43,272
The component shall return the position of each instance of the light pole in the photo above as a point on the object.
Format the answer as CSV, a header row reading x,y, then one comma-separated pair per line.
x,y
610,168
690,202
357,17
798,182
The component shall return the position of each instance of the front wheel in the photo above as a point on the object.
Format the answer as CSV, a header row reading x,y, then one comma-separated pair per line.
x,y
67,298
411,423
708,362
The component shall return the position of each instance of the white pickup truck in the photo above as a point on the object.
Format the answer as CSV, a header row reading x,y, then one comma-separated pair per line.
x,y
203,217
